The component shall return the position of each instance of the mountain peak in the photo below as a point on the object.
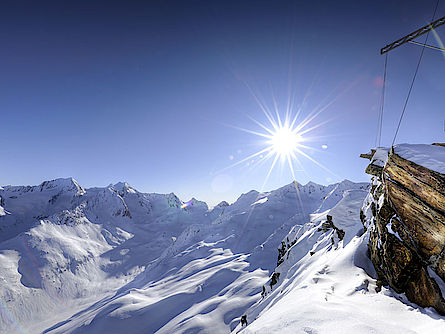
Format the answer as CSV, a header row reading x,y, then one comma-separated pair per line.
x,y
66,184
222,204
291,187
311,183
123,188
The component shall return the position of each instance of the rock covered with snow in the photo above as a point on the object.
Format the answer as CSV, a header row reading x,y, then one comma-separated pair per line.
x,y
431,157
378,158
405,214
2,202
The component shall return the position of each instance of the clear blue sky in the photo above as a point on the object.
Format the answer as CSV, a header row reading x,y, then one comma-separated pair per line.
x,y
142,91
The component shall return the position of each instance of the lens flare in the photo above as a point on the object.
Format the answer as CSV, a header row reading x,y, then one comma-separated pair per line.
x,y
186,204
439,41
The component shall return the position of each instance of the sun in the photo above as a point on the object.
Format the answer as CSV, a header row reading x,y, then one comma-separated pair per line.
x,y
286,138
284,141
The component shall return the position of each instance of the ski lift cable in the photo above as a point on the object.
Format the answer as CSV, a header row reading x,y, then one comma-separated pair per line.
x,y
382,103
414,77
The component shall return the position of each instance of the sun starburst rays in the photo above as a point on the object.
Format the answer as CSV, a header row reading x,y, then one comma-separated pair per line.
x,y
285,138
290,136
283,141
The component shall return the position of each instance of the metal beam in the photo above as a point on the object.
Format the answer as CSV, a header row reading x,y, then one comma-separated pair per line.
x,y
427,46
413,35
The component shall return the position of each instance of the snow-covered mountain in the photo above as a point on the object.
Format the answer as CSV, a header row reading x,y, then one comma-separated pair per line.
x,y
326,283
114,260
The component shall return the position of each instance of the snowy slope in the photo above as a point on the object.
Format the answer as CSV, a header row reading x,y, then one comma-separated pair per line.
x,y
327,285
89,260
115,260
70,246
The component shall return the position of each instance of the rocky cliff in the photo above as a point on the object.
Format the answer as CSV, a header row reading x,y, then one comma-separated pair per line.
x,y
405,213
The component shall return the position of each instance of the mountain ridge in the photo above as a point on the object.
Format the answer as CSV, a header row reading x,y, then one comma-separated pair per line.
x,y
82,246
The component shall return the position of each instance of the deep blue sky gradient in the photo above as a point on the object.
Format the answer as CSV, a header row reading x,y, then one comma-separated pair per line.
x,y
142,91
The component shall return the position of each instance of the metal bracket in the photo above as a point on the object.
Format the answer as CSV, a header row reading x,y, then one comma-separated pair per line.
x,y
413,35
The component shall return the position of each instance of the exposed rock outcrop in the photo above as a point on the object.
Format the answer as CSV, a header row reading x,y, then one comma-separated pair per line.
x,y
407,229
329,224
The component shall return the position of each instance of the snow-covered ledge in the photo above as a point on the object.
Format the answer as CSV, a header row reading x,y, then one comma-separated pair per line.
x,y
408,221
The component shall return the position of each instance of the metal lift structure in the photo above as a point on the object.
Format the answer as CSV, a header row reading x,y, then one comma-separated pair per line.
x,y
410,37
407,39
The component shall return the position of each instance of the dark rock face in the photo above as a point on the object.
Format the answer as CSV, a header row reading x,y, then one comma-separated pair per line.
x,y
407,233
274,279
329,224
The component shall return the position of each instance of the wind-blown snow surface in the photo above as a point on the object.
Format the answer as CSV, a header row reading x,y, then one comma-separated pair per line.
x,y
114,260
429,156
326,285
